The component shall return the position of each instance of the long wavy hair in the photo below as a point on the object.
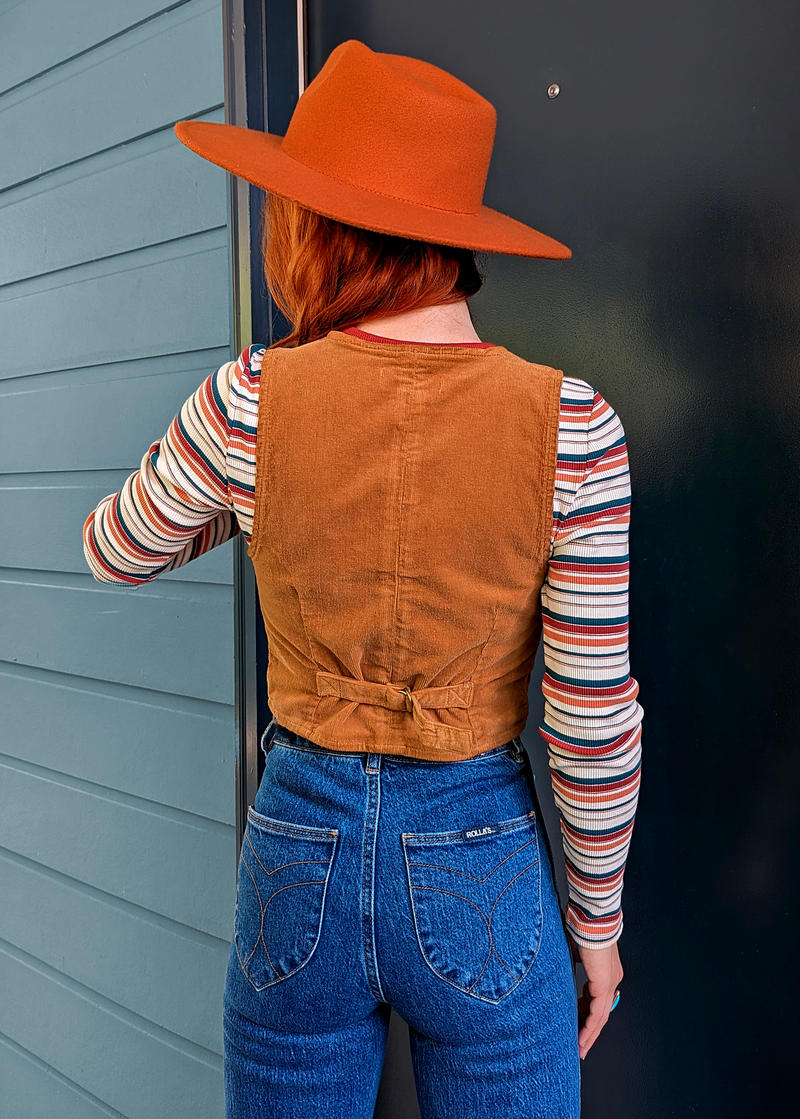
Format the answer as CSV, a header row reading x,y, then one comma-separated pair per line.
x,y
325,275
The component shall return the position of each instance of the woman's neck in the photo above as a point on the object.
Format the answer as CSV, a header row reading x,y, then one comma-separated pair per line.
x,y
450,322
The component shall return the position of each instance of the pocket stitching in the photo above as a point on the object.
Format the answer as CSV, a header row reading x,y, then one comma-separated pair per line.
x,y
261,908
330,836
468,990
454,870
294,862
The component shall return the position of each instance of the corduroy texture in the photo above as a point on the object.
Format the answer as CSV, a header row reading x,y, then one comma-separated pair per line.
x,y
401,535
382,142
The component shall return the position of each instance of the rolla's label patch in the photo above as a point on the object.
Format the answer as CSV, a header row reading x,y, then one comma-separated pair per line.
x,y
479,830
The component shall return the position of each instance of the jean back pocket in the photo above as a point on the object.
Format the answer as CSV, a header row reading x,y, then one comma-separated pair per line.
x,y
280,896
476,902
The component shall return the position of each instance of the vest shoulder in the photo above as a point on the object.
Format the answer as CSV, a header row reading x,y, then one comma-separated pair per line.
x,y
323,349
292,355
573,388
530,367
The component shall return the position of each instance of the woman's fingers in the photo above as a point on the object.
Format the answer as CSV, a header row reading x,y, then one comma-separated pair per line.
x,y
599,1008
604,971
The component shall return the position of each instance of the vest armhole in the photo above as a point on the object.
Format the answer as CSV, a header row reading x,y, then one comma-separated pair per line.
x,y
261,487
550,454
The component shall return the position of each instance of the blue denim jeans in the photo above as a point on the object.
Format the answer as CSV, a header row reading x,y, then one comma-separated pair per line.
x,y
371,881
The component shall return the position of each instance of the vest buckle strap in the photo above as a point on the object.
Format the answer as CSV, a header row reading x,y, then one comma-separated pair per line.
x,y
398,697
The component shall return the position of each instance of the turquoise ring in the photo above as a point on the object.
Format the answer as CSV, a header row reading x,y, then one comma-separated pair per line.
x,y
614,1003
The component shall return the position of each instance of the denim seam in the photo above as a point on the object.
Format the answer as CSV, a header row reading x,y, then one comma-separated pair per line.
x,y
319,749
504,826
368,888
301,831
404,759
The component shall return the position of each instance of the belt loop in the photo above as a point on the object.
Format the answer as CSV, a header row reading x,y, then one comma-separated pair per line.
x,y
373,763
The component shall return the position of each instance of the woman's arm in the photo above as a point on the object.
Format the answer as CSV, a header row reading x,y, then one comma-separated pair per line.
x,y
178,505
592,720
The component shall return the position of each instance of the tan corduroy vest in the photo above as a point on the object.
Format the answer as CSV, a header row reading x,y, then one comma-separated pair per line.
x,y
401,534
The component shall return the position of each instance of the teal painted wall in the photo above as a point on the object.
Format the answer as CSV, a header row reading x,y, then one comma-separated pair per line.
x,y
117,732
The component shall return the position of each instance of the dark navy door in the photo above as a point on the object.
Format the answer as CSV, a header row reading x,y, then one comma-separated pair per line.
x,y
669,162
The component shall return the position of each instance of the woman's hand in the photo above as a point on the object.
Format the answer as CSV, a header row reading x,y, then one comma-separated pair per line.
x,y
604,971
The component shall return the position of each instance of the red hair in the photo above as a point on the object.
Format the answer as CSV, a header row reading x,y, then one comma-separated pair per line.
x,y
325,275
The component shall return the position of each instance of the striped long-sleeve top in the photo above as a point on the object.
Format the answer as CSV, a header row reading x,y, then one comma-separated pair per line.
x,y
195,490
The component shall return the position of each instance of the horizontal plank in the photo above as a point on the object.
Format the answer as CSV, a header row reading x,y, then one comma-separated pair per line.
x,y
167,636
31,1089
173,751
164,70
71,28
87,426
41,521
178,865
142,193
114,1055
162,971
167,299
120,369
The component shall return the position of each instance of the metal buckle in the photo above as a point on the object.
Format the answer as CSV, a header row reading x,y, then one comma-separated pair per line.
x,y
518,749
265,746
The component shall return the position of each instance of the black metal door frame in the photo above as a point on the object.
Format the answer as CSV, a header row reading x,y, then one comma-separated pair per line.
x,y
263,80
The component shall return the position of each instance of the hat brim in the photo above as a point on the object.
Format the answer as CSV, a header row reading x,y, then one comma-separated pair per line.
x,y
259,158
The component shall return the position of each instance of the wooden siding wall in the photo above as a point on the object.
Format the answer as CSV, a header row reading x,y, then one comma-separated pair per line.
x,y
117,733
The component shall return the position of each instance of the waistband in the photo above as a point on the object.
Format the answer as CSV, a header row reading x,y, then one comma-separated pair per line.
x,y
276,734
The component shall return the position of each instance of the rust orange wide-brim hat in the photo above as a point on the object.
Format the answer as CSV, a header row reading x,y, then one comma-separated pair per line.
x,y
386,143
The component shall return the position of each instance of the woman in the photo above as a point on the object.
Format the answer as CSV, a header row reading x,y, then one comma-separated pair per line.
x,y
420,506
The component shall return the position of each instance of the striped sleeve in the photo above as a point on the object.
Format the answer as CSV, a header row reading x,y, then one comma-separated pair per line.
x,y
592,719
180,503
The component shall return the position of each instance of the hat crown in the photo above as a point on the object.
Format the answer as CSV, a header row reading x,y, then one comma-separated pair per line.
x,y
395,126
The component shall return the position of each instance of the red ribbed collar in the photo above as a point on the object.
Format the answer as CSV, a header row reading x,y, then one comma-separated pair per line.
x,y
354,330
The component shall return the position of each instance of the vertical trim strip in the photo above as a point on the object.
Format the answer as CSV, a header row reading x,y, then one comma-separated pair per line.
x,y
302,47
244,589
